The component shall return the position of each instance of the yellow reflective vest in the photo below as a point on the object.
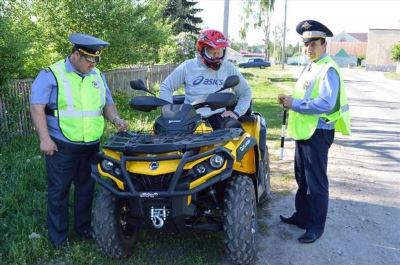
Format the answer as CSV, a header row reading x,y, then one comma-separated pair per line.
x,y
303,126
80,102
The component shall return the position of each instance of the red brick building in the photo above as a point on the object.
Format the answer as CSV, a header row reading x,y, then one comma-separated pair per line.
x,y
352,43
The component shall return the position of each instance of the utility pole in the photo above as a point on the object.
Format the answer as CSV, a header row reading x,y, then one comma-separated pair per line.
x,y
226,18
284,38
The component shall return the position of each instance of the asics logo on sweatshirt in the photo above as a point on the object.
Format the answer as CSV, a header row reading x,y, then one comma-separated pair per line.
x,y
207,81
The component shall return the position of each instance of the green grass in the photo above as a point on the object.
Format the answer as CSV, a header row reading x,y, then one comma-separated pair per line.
x,y
394,76
266,84
23,196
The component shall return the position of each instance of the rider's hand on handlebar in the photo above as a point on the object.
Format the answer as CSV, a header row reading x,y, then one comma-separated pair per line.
x,y
229,113
121,124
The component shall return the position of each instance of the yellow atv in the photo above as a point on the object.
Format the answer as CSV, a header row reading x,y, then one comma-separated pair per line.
x,y
182,175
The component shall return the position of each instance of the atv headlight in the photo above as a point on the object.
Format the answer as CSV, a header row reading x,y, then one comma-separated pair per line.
x,y
217,161
200,169
107,165
117,171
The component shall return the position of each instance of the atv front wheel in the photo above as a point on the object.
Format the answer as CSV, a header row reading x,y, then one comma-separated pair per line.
x,y
240,220
113,234
267,195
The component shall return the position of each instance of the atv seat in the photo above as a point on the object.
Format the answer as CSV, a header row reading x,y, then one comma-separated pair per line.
x,y
249,116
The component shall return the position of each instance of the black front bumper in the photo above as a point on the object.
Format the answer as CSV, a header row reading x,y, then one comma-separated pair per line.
x,y
174,188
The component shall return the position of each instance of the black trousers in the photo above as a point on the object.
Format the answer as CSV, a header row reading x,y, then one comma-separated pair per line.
x,y
71,164
218,122
311,161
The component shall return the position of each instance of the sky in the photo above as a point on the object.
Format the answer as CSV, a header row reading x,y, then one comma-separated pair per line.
x,y
352,16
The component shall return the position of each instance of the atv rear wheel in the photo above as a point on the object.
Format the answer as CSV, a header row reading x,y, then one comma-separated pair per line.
x,y
113,234
240,220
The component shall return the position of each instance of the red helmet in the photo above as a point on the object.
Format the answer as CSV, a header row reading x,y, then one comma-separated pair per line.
x,y
210,38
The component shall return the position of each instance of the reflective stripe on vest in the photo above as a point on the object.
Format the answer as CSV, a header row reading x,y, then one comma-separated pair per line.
x,y
80,103
302,126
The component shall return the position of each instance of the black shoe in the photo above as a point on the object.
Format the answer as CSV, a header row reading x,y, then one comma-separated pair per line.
x,y
63,245
309,237
292,221
86,234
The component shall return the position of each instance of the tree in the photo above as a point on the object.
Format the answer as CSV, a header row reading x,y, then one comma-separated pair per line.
x,y
276,46
14,41
396,55
135,29
182,47
182,13
258,12
396,52
239,45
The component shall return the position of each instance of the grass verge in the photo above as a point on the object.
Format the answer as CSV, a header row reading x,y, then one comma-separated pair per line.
x,y
394,76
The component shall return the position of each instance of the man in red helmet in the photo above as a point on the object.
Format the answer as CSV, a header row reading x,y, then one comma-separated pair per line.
x,y
204,75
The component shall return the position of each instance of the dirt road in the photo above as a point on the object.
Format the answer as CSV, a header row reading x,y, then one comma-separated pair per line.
x,y
363,225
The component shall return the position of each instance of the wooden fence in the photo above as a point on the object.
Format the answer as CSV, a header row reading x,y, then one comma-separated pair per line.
x,y
14,109
119,79
15,118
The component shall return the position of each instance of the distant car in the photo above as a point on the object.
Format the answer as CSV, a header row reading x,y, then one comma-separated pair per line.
x,y
261,63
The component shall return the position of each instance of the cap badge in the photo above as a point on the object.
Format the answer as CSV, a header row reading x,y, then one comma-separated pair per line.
x,y
306,25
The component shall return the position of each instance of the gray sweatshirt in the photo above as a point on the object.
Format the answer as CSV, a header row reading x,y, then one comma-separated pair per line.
x,y
200,81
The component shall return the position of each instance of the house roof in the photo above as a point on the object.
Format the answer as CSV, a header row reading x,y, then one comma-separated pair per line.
x,y
363,37
232,52
342,53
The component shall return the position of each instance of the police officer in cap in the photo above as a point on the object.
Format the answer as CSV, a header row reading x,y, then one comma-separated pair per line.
x,y
317,108
69,102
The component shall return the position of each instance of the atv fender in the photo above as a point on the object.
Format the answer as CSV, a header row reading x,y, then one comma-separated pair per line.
x,y
246,144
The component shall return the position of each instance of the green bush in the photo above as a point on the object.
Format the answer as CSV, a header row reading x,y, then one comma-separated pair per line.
x,y
396,52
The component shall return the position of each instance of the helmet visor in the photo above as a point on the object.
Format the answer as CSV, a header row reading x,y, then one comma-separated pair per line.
x,y
214,53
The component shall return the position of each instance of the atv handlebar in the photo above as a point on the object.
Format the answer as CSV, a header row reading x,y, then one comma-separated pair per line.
x,y
214,101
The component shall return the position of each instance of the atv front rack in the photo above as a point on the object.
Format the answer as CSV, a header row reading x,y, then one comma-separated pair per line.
x,y
142,142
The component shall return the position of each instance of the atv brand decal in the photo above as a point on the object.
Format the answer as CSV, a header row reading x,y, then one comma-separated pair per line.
x,y
245,144
174,121
148,195
207,81
244,147
153,165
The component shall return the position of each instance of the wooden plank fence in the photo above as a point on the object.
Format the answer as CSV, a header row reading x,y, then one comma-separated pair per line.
x,y
15,119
